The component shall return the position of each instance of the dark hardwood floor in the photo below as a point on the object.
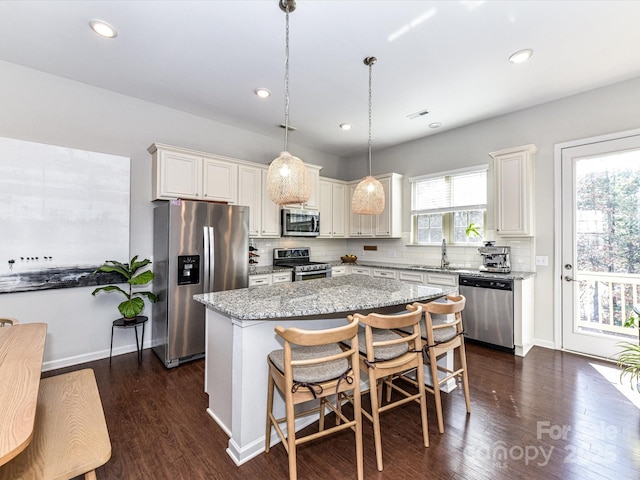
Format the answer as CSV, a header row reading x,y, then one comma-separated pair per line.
x,y
551,415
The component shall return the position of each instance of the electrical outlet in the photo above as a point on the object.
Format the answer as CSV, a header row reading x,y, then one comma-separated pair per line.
x,y
391,254
542,261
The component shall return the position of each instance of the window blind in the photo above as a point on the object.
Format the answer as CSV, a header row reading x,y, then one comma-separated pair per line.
x,y
449,193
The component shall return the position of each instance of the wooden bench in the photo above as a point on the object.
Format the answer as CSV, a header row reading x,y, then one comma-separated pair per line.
x,y
70,435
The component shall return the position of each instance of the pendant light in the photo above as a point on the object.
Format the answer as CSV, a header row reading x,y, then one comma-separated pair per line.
x,y
368,198
287,178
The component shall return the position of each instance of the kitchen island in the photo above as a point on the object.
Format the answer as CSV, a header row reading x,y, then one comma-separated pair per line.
x,y
240,333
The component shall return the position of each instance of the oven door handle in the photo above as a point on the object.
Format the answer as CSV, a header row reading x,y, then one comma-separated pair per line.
x,y
300,275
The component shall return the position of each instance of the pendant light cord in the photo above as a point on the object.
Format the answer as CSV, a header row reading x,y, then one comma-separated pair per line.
x,y
286,83
370,66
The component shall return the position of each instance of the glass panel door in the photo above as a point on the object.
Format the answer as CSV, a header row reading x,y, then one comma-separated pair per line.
x,y
600,244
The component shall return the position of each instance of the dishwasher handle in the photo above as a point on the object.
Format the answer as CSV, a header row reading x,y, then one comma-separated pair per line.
x,y
491,283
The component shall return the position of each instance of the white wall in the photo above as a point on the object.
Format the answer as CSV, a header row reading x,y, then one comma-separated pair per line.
x,y
44,108
610,109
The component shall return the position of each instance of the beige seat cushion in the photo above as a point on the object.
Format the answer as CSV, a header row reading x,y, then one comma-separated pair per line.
x,y
440,335
385,352
321,372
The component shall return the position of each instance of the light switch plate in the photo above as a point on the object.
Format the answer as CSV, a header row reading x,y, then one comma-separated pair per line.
x,y
542,260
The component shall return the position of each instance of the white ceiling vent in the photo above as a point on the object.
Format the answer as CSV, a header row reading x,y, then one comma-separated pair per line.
x,y
419,114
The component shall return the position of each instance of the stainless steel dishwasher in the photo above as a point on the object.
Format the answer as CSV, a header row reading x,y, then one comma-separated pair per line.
x,y
488,313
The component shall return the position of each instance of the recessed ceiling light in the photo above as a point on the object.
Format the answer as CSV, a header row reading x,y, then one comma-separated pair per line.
x,y
103,29
262,92
521,56
435,125
345,126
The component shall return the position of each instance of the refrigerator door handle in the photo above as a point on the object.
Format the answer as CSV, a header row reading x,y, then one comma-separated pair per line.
x,y
207,284
212,260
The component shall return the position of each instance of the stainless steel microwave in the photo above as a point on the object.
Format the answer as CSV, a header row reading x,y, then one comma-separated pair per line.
x,y
300,223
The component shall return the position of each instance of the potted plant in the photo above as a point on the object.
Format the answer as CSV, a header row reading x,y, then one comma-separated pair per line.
x,y
473,230
629,359
133,304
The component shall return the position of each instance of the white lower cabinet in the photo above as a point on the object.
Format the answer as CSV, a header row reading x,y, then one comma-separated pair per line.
x,y
264,279
281,277
413,277
383,273
259,280
338,270
356,270
445,279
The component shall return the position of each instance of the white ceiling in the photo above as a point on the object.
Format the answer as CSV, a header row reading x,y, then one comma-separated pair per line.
x,y
449,57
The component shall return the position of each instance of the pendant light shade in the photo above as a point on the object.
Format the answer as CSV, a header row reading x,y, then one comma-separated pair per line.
x,y
368,198
287,178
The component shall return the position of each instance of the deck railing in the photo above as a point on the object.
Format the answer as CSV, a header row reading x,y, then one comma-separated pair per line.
x,y
606,300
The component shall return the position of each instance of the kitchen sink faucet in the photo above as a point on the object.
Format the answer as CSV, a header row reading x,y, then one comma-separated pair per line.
x,y
444,262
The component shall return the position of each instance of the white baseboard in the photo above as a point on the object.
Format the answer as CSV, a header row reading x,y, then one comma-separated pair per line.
x,y
88,357
545,343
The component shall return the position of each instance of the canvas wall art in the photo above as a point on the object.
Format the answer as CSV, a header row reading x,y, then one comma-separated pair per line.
x,y
63,212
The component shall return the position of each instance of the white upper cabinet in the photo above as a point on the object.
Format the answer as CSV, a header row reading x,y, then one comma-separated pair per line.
x,y
182,173
264,215
314,200
250,194
359,225
176,175
270,212
389,222
333,198
220,180
513,191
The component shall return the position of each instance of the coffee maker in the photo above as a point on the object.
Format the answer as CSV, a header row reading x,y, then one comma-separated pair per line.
x,y
495,258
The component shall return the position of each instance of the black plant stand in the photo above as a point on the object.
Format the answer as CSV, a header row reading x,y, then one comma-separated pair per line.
x,y
122,323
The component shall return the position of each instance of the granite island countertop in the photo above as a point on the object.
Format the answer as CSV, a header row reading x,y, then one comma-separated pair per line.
x,y
338,296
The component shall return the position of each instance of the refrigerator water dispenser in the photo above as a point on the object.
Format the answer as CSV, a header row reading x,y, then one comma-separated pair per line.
x,y
188,269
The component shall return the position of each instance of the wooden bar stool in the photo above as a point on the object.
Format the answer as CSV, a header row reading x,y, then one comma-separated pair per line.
x,y
316,369
385,354
441,334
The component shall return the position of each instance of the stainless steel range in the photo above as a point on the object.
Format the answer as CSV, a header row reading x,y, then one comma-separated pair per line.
x,y
299,261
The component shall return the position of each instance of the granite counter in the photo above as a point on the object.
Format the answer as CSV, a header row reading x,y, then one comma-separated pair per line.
x,y
334,297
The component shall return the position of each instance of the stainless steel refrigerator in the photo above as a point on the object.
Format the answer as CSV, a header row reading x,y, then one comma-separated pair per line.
x,y
198,247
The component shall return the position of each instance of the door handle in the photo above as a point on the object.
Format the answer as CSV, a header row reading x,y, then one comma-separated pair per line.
x,y
567,278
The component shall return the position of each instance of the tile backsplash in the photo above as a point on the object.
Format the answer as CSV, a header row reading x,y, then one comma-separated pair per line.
x,y
397,251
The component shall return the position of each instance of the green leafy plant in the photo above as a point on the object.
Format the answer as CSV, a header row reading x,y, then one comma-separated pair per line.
x,y
134,303
473,230
629,361
629,358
